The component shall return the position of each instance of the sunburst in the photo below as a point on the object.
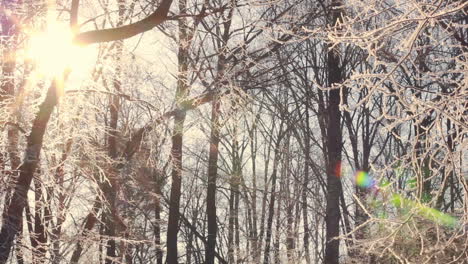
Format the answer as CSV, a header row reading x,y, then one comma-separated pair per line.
x,y
52,51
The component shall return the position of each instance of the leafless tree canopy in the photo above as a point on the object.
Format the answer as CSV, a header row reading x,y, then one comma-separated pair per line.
x,y
233,131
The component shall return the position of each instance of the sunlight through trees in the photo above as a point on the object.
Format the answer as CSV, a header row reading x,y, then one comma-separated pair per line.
x,y
282,131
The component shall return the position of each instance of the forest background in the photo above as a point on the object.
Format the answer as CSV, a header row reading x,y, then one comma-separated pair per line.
x,y
233,131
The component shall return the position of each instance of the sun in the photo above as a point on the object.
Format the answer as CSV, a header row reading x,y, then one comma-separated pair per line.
x,y
52,51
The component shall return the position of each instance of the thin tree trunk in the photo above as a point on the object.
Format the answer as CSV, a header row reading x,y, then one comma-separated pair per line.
x,y
39,234
233,223
89,223
157,225
231,227
62,206
212,175
290,237
305,188
271,209
176,155
214,140
277,228
110,187
254,235
185,37
236,221
264,198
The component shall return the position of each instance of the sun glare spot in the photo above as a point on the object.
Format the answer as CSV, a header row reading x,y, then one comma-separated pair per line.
x,y
53,51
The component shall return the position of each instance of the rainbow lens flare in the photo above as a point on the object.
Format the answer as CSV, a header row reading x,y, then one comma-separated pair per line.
x,y
424,211
363,180
338,169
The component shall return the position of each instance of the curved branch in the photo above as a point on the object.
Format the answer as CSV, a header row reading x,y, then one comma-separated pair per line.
x,y
127,31
74,14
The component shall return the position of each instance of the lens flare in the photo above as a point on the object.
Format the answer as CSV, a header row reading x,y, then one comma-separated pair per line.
x,y
424,211
337,171
364,180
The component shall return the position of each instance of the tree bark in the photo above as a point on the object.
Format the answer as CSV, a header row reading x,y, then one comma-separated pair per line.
x,y
334,144
177,137
157,225
39,234
271,208
305,188
89,223
212,175
13,217
127,31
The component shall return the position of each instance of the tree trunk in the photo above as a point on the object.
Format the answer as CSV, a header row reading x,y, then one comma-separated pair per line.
x,y
212,175
39,234
333,143
157,225
271,208
8,39
177,137
13,217
89,223
277,229
305,188
254,235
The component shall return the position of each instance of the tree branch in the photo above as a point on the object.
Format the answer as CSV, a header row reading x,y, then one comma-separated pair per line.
x,y
127,31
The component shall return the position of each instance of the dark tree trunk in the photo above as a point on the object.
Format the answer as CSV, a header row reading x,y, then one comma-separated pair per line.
x,y
89,223
8,37
254,235
110,187
276,244
214,142
177,138
212,175
12,218
236,222
305,188
173,222
231,256
271,208
62,205
157,225
333,146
